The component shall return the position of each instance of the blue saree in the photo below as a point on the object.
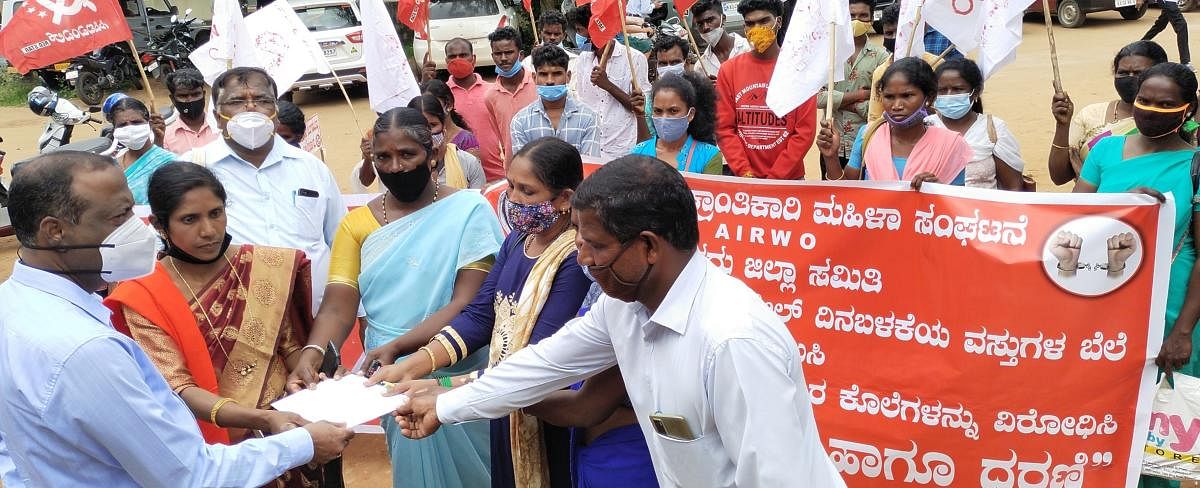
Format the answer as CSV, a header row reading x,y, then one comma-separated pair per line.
x,y
137,175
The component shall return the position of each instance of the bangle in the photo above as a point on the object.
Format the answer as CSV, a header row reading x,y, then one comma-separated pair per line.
x,y
212,415
432,359
1056,146
446,382
1060,268
313,346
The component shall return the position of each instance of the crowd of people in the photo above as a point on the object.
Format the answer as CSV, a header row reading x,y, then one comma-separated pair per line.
x,y
563,323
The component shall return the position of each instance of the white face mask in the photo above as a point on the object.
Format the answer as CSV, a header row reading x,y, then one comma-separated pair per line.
x,y
713,36
250,129
129,252
134,137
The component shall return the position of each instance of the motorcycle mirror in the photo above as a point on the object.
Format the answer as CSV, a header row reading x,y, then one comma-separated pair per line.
x,y
187,12
93,109
174,18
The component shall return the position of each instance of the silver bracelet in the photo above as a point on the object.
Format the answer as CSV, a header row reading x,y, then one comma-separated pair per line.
x,y
313,346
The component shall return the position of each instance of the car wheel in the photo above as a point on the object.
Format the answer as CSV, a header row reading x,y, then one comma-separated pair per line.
x,y
1133,13
1069,14
87,87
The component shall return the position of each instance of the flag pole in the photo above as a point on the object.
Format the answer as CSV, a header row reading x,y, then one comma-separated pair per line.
x,y
916,23
428,35
628,52
695,47
1053,50
832,68
533,22
944,54
337,79
142,71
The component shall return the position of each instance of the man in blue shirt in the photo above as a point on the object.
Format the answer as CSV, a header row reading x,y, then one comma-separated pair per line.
x,y
80,403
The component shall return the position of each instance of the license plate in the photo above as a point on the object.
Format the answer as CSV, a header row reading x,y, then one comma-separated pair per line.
x,y
62,66
877,15
330,53
1125,3
71,75
152,66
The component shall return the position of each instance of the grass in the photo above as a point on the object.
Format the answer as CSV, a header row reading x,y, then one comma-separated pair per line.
x,y
14,89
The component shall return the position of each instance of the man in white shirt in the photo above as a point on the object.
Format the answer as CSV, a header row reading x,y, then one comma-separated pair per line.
x,y
739,417
609,90
719,44
553,25
279,195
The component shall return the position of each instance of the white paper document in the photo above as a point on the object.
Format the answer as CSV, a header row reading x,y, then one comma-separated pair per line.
x,y
345,401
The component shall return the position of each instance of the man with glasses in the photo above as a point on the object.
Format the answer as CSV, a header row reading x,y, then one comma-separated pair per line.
x,y
278,195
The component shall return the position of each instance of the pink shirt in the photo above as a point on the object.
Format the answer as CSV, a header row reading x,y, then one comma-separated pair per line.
x,y
471,105
179,138
502,106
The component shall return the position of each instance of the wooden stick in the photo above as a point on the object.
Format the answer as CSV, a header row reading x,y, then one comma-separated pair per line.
x,y
142,71
944,54
605,55
533,22
337,79
695,47
832,73
628,51
1053,49
916,24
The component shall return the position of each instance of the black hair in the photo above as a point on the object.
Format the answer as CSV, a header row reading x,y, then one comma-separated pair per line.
x,y
43,189
1146,49
186,78
170,183
441,90
664,42
916,71
706,5
635,193
429,105
870,4
128,103
1185,79
552,17
408,120
698,93
291,116
582,14
241,75
460,40
890,15
555,163
970,73
774,7
506,33
550,55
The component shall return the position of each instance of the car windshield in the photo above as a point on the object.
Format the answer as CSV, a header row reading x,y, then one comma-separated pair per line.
x,y
456,9
327,17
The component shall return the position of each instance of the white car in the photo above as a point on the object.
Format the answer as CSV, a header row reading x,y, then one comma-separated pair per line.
x,y
336,26
472,20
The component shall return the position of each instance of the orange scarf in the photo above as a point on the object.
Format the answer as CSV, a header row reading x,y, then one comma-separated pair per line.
x,y
942,152
158,299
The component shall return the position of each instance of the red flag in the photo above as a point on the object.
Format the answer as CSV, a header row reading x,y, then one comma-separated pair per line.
x,y
44,33
414,14
682,6
529,8
606,22
580,3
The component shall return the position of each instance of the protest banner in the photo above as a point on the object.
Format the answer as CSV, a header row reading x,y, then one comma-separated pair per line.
x,y
43,33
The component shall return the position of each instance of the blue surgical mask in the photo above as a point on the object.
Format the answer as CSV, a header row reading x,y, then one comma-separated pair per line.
x,y
516,68
953,106
672,129
583,43
552,93
674,69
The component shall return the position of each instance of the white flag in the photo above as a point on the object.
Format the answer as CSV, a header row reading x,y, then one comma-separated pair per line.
x,y
390,79
992,26
229,44
803,64
909,27
283,44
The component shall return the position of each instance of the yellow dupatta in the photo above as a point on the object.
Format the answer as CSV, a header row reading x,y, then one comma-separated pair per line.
x,y
454,172
528,451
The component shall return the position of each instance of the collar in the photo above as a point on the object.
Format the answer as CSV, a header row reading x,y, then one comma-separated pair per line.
x,y
676,307
570,107
179,125
479,82
219,151
63,288
526,79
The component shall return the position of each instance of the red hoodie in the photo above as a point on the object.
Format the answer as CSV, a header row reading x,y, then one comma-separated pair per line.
x,y
754,142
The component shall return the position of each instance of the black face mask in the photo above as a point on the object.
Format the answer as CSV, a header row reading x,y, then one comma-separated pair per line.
x,y
190,110
889,44
1127,88
1156,124
179,254
408,186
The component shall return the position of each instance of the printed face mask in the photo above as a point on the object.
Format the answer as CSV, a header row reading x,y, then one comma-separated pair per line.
x,y
530,218
761,37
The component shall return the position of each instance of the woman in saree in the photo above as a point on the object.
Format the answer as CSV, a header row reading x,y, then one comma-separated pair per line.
x,y
457,130
135,134
223,324
900,146
1158,160
1076,134
535,287
414,256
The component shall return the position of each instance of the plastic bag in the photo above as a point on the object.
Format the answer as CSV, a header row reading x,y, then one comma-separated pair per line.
x,y
1173,443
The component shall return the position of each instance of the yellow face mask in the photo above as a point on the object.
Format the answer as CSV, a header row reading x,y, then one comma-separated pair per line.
x,y
761,37
861,28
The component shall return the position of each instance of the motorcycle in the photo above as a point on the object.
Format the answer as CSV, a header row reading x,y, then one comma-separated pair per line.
x,y
168,52
63,114
106,69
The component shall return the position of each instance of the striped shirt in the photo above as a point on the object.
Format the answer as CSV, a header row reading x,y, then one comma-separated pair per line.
x,y
577,126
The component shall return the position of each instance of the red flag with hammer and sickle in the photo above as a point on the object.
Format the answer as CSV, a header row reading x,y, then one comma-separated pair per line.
x,y
414,14
44,32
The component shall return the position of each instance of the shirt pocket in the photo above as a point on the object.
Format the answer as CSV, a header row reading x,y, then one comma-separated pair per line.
x,y
311,211
691,463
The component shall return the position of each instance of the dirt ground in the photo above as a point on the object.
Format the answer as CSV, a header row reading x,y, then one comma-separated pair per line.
x,y
1019,93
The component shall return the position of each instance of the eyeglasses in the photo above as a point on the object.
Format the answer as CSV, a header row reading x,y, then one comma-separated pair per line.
x,y
247,103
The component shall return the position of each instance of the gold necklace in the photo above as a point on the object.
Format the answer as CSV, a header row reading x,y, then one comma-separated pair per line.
x,y
383,202
219,333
